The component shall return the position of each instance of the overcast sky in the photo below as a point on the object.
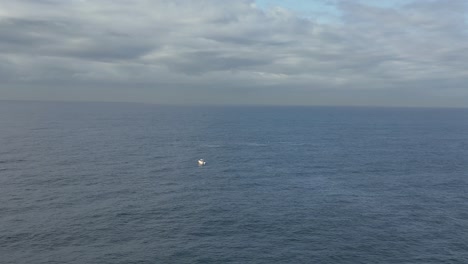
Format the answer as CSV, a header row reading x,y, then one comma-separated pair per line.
x,y
322,52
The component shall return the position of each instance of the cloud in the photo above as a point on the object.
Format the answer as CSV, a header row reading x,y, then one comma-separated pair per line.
x,y
225,51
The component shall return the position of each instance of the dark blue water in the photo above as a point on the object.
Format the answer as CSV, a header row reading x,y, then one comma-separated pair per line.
x,y
119,183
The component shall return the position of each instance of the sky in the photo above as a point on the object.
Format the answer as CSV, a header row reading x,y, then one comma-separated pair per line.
x,y
267,52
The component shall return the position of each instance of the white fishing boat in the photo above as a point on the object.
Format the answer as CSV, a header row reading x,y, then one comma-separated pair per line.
x,y
201,162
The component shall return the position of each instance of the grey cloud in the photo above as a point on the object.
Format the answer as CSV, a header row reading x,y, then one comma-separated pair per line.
x,y
62,38
215,47
203,61
17,33
108,50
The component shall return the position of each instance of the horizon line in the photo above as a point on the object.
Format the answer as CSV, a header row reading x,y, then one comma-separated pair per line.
x,y
230,105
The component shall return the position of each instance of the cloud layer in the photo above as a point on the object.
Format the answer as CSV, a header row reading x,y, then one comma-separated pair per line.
x,y
212,51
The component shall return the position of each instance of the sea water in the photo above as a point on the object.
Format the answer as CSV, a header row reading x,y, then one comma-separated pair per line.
x,y
120,183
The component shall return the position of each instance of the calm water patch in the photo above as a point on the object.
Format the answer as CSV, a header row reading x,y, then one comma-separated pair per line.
x,y
119,183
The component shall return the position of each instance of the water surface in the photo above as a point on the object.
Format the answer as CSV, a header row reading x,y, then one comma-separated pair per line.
x,y
119,183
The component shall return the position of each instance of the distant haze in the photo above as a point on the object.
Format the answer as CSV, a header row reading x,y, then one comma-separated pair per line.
x,y
329,52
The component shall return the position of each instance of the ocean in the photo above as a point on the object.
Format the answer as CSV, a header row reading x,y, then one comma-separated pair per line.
x,y
119,183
